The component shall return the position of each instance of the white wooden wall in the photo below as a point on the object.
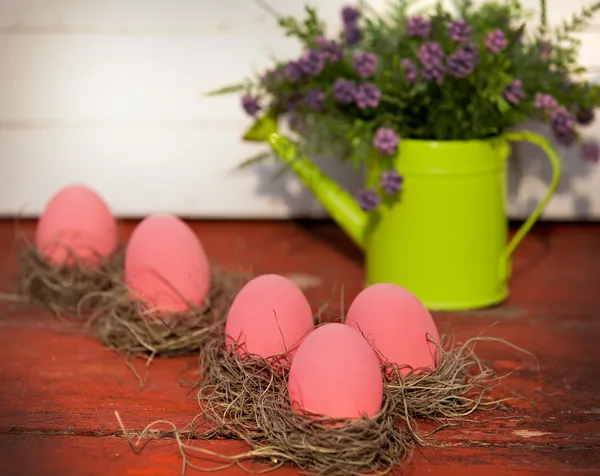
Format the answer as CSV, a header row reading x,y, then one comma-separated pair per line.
x,y
108,93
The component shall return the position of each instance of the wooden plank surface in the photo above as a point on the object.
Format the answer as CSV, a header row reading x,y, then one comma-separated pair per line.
x,y
59,390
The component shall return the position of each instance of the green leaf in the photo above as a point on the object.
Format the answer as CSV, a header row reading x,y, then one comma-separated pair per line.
x,y
262,129
255,159
233,88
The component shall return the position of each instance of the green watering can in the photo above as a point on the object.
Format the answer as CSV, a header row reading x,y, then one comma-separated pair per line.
x,y
445,237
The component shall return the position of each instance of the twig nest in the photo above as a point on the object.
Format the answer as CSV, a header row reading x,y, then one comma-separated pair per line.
x,y
134,327
269,316
247,398
75,252
336,373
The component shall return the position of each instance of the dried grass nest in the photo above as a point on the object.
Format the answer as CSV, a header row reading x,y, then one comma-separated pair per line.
x,y
61,289
246,399
132,327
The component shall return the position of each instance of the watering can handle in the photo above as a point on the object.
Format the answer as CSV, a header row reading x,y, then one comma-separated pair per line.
x,y
543,144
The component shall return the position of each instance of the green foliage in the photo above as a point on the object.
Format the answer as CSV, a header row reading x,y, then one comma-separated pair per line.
x,y
476,105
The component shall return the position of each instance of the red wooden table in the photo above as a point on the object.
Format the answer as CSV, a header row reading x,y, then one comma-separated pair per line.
x,y
59,391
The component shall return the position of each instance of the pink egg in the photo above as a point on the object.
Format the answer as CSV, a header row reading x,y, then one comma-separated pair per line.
x,y
76,225
269,316
336,373
165,264
396,323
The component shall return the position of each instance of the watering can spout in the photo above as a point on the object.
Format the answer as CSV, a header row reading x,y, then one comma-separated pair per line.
x,y
342,207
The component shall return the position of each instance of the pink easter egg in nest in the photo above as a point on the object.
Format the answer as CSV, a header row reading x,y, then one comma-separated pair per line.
x,y
166,265
76,226
269,316
336,373
396,324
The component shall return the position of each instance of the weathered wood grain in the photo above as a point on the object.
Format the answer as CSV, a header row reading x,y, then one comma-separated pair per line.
x,y
59,391
57,455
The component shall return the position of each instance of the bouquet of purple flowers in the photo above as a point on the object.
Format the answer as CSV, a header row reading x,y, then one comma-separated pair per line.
x,y
440,75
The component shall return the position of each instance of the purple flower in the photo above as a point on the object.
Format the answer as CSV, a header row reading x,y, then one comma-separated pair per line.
x,y
312,63
513,93
496,41
315,98
459,30
297,124
350,14
431,57
411,72
352,34
272,77
365,64
462,63
562,121
585,116
251,104
368,200
590,151
330,49
367,95
344,90
545,50
419,27
386,141
291,102
544,102
391,181
293,71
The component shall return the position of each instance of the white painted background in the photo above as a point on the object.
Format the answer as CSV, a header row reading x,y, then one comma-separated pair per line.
x,y
108,93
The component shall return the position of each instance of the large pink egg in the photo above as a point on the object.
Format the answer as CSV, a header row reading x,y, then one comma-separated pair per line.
x,y
336,373
76,225
166,265
269,316
396,323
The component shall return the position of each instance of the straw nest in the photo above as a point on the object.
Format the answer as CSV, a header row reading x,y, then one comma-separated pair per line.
x,y
62,288
246,399
132,327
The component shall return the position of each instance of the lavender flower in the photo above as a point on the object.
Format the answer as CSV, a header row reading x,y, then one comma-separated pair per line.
x,y
365,64
562,121
297,124
368,200
293,71
418,26
462,63
386,140
411,71
330,49
585,116
431,57
344,90
459,30
350,15
513,93
496,41
545,50
367,95
544,102
590,152
312,63
391,181
352,34
315,98
251,104
272,77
